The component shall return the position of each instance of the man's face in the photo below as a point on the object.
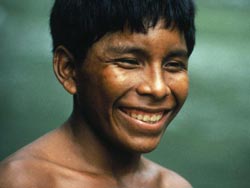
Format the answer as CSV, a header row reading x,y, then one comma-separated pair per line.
x,y
131,85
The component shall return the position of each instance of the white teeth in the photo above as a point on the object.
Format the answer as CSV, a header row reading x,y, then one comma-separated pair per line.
x,y
140,117
146,118
158,117
153,118
134,115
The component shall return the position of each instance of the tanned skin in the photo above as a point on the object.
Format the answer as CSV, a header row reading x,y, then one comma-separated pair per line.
x,y
128,89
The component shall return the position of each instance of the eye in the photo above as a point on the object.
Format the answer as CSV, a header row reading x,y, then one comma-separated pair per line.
x,y
175,66
128,63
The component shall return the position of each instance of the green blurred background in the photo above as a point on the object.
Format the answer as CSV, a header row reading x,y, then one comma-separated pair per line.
x,y
208,143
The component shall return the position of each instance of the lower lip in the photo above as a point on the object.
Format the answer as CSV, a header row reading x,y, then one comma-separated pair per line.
x,y
144,127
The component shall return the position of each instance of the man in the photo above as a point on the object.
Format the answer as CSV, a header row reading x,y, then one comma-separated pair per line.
x,y
125,63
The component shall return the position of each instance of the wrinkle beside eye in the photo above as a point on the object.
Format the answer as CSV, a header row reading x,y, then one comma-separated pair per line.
x,y
127,63
175,66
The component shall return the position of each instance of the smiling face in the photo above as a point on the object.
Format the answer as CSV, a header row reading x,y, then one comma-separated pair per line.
x,y
131,85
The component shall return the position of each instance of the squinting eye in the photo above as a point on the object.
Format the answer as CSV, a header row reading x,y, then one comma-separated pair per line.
x,y
127,63
174,66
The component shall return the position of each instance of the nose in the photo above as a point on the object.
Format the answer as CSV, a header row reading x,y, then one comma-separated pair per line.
x,y
154,84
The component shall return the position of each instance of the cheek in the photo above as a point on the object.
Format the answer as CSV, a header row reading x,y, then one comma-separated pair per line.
x,y
115,83
180,86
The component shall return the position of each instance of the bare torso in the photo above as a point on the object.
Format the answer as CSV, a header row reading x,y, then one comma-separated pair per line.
x,y
48,163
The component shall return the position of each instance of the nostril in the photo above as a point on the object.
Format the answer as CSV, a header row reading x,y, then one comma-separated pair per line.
x,y
161,91
143,89
154,89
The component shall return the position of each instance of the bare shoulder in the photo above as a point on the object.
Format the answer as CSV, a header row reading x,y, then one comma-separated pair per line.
x,y
22,172
167,177
27,168
173,180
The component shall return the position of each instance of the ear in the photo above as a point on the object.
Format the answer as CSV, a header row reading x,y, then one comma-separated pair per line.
x,y
64,68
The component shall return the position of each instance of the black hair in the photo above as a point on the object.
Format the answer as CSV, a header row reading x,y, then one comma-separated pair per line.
x,y
77,24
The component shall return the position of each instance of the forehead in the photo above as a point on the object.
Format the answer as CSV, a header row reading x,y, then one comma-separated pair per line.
x,y
156,39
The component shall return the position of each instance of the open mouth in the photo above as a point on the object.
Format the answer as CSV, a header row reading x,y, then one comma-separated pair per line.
x,y
144,116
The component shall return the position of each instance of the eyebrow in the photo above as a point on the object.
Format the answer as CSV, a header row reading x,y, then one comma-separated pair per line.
x,y
177,53
141,51
127,49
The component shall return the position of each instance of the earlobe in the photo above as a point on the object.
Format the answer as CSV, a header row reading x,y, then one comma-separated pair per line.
x,y
64,68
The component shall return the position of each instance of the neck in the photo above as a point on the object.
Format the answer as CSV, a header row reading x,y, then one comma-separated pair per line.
x,y
96,153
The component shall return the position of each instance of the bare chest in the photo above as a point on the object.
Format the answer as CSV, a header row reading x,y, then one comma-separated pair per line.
x,y
100,181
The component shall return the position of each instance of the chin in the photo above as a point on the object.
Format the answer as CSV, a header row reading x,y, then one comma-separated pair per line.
x,y
146,149
143,145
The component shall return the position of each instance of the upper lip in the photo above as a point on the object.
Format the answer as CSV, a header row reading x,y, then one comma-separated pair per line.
x,y
147,109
